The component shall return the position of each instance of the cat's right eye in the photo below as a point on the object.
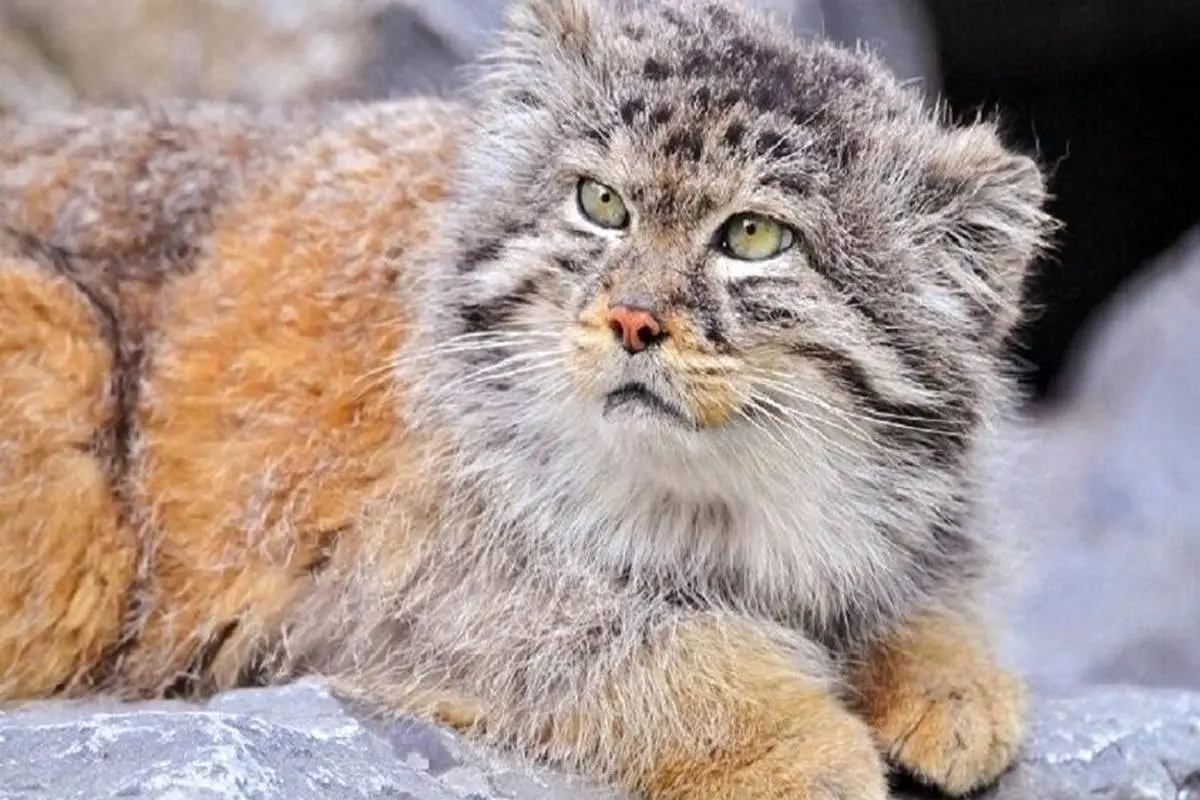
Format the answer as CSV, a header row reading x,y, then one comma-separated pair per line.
x,y
753,237
602,205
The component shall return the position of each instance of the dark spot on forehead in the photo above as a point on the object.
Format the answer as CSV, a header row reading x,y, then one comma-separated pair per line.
x,y
774,144
847,70
661,115
601,135
702,98
696,64
805,113
655,70
731,98
675,18
734,134
843,150
631,108
792,182
686,143
721,17
759,56
634,32
767,96
528,99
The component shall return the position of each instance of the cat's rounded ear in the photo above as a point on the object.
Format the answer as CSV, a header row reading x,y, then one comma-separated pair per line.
x,y
987,209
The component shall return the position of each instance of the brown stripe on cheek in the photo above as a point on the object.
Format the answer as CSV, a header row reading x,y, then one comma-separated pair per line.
x,y
496,312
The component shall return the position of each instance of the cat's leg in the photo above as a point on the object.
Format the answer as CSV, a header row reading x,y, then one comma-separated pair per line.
x,y
941,707
660,701
746,716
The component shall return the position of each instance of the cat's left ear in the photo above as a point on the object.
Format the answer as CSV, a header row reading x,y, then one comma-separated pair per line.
x,y
988,211
551,28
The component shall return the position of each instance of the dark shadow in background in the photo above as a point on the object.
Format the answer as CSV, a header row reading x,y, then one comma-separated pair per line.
x,y
1107,92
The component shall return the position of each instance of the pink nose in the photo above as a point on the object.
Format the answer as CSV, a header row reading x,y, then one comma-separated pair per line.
x,y
635,327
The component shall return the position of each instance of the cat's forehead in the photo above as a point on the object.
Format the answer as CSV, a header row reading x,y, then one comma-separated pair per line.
x,y
701,106
709,55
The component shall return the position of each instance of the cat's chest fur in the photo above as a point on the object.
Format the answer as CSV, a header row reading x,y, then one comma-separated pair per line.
x,y
803,548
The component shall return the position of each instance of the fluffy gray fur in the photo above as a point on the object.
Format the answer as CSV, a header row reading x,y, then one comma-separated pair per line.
x,y
866,365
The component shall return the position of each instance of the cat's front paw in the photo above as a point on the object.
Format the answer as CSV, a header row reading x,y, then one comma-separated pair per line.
x,y
956,732
945,715
829,757
823,763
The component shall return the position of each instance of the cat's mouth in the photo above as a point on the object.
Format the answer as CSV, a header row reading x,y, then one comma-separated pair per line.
x,y
638,397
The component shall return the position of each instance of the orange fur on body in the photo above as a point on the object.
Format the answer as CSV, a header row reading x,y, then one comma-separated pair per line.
x,y
66,557
264,410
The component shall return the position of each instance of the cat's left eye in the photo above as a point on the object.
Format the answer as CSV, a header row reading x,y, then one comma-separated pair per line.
x,y
602,205
753,237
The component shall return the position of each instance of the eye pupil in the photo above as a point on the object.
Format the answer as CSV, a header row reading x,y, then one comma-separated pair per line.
x,y
605,198
751,229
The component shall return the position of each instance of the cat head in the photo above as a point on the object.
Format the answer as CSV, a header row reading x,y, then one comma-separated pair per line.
x,y
678,231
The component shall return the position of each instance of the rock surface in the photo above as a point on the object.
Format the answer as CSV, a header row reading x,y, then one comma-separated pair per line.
x,y
59,52
1109,495
299,743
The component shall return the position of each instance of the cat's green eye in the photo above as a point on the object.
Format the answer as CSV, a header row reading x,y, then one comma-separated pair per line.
x,y
753,237
602,205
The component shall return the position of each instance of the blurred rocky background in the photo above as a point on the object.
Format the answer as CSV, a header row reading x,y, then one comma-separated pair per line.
x,y
1107,490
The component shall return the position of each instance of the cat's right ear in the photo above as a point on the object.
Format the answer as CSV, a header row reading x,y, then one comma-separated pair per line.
x,y
985,205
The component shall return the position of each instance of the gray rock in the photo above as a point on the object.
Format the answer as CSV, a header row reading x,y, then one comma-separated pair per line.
x,y
299,743
1109,494
295,742
1113,743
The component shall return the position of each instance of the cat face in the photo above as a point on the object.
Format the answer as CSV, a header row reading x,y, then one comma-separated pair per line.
x,y
676,226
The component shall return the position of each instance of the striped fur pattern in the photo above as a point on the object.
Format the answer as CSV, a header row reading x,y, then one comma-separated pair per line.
x,y
338,391
827,406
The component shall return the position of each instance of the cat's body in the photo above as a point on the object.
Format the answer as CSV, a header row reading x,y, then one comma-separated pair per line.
x,y
498,418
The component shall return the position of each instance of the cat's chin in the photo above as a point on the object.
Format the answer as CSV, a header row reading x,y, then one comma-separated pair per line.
x,y
637,407
636,400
